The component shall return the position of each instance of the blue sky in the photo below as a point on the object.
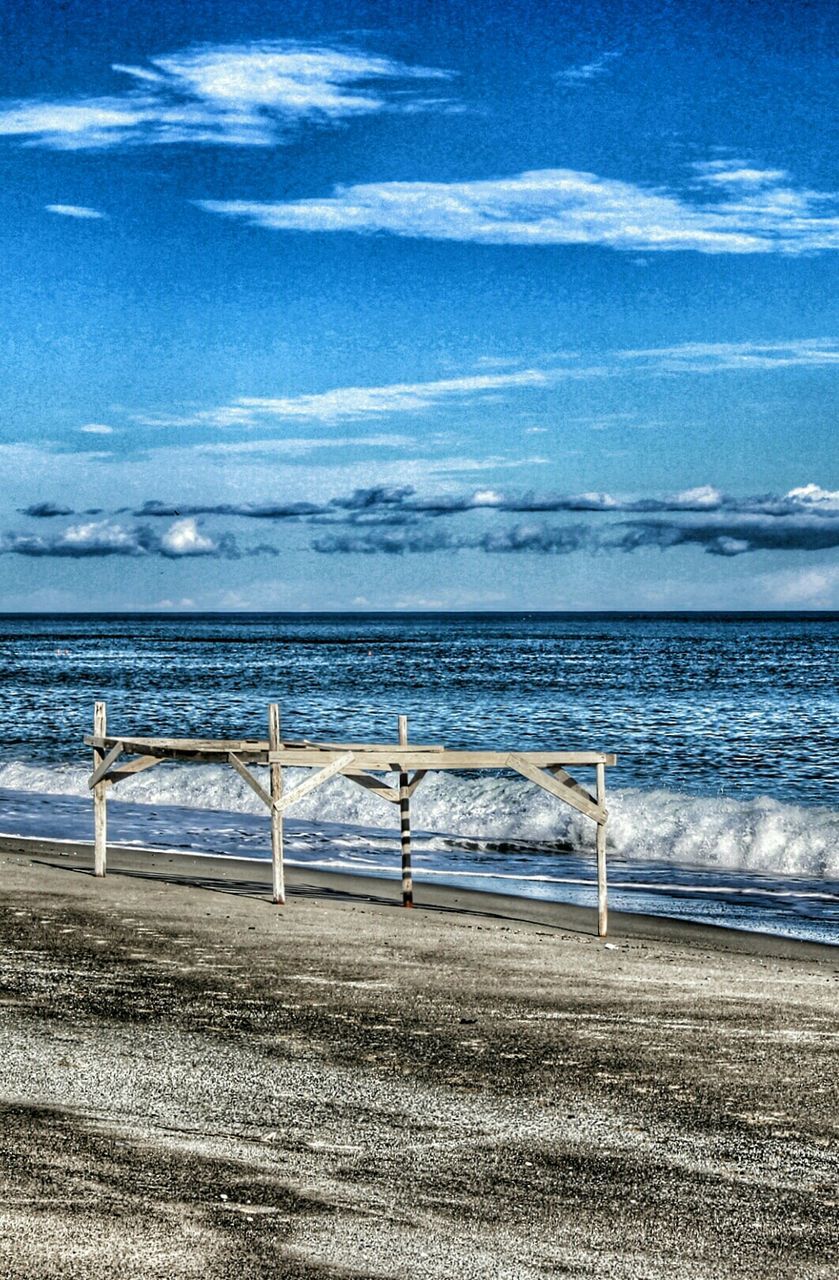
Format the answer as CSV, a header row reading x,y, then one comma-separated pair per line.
x,y
335,306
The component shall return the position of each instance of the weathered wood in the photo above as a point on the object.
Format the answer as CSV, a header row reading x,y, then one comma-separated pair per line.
x,y
562,775
528,770
602,886
100,795
99,773
416,780
245,773
186,748
381,758
360,746
130,767
291,797
405,823
371,783
403,760
277,869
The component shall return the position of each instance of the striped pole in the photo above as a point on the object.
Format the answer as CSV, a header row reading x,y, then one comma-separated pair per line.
x,y
405,823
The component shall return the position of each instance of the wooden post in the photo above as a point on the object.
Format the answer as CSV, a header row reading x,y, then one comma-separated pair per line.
x,y
602,887
274,744
405,823
100,795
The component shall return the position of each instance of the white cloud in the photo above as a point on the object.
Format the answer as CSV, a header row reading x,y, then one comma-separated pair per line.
x,y
343,403
237,95
814,493
183,539
586,71
75,211
712,357
564,206
97,429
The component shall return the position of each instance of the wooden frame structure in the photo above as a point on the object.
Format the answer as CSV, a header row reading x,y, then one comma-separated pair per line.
x,y
361,762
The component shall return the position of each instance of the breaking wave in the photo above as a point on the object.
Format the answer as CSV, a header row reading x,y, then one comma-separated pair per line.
x,y
763,836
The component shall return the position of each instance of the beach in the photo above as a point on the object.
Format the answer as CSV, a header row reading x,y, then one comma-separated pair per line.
x,y
199,1083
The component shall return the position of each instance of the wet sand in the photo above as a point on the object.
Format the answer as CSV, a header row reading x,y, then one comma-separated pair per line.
x,y
196,1083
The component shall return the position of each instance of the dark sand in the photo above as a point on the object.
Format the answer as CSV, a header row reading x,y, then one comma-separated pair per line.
x,y
196,1083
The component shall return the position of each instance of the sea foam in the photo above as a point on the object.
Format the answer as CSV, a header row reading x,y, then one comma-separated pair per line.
x,y
762,835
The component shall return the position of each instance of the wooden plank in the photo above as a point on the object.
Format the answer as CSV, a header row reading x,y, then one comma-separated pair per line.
x,y
405,823
277,868
602,885
246,774
291,797
371,783
528,770
100,796
360,746
381,758
416,780
99,773
403,760
135,766
562,775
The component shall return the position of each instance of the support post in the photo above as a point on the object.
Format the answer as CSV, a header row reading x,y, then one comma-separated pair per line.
x,y
100,794
602,887
277,871
405,822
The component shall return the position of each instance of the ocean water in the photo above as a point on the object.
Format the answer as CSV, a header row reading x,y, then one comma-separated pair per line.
x,y
724,804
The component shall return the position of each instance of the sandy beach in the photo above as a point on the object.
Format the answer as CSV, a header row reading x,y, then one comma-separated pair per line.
x,y
197,1083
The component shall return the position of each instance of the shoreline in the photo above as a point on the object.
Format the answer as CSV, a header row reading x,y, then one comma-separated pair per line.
x,y
526,911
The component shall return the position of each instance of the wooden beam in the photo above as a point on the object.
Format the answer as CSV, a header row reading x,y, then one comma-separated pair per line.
x,y
416,780
602,886
562,775
135,766
100,795
360,746
377,757
398,759
528,770
405,823
246,774
99,773
277,868
291,797
371,783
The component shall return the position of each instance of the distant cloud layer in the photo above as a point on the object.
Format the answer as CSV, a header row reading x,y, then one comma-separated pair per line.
x,y
234,95
396,520
96,539
727,209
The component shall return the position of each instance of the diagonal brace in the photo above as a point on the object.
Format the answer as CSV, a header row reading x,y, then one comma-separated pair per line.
x,y
563,776
102,768
555,787
371,783
291,797
415,781
246,774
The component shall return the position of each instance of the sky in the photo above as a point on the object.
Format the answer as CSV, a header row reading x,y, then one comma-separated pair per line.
x,y
347,306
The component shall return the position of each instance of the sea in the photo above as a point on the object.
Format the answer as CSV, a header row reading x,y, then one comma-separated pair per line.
x,y
723,804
